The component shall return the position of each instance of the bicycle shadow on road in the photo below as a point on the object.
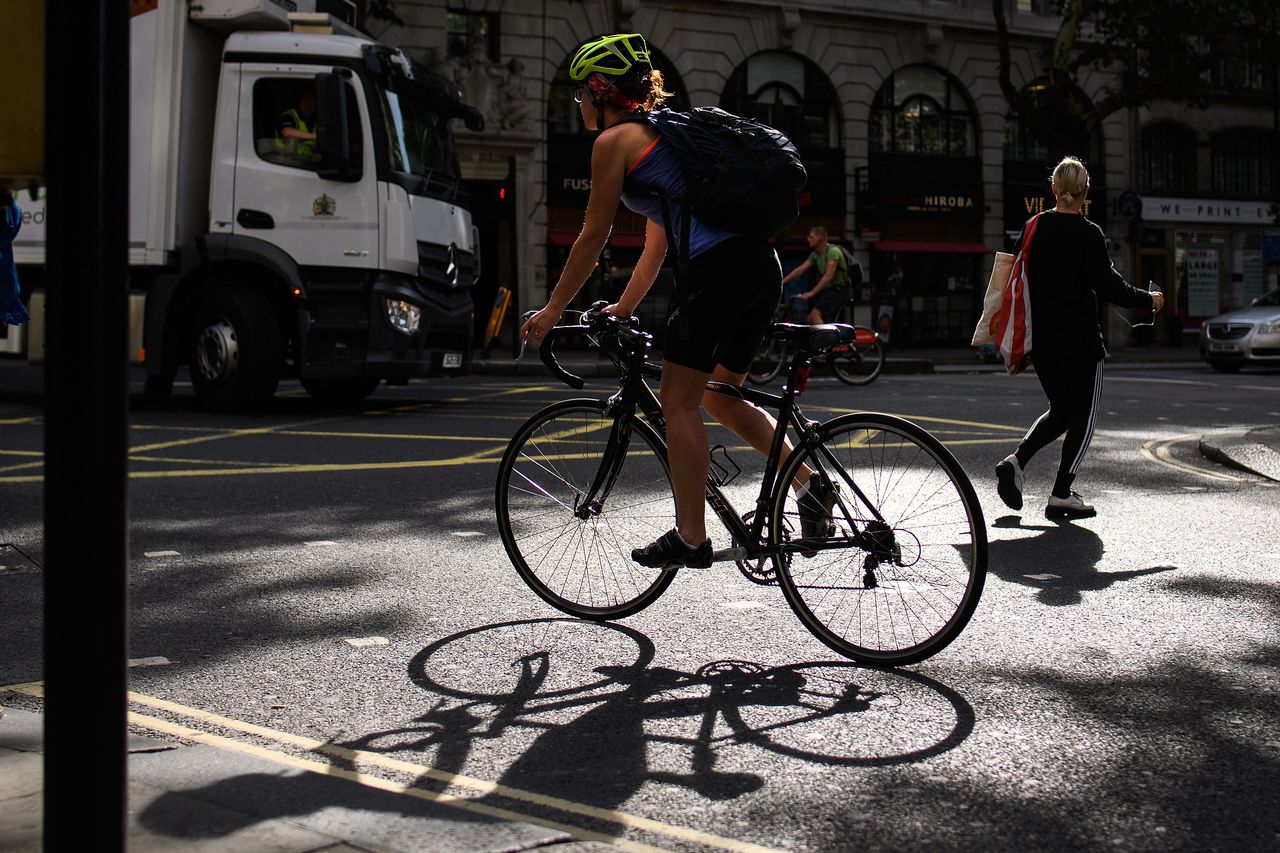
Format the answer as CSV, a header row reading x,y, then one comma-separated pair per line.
x,y
595,732
1060,561
577,711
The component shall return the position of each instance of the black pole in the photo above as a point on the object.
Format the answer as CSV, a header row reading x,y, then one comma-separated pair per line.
x,y
513,309
86,426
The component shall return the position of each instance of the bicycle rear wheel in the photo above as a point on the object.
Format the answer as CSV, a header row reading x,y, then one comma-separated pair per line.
x,y
577,558
861,362
768,362
903,564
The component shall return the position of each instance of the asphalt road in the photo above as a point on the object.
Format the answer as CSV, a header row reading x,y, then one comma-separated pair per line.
x,y
1118,687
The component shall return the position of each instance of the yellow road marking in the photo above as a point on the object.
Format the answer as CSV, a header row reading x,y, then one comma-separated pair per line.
x,y
393,435
22,466
1158,452
276,468
183,442
926,418
16,421
21,453
356,756
463,803
184,460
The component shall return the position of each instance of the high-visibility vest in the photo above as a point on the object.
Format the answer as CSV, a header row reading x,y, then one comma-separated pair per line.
x,y
301,147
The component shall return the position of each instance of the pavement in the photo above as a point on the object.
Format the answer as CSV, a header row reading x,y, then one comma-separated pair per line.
x,y
197,794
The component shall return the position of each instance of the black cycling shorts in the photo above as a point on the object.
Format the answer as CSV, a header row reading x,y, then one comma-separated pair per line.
x,y
828,303
728,305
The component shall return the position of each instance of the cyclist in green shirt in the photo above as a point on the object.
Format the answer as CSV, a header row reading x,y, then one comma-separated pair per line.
x,y
832,289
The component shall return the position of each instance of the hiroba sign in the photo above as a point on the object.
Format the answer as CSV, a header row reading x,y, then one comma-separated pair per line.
x,y
1206,210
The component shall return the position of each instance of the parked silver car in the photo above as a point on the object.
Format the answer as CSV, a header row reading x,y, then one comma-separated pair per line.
x,y
1244,337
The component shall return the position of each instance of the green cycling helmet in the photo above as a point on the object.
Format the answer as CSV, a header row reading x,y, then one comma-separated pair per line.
x,y
612,55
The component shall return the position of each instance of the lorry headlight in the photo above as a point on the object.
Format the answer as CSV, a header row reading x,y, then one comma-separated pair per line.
x,y
403,316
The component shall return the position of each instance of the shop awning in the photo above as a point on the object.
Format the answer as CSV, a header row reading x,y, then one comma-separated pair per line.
x,y
619,241
939,247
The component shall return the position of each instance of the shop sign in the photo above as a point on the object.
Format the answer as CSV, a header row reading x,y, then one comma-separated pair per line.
x,y
918,186
569,170
1206,210
1203,277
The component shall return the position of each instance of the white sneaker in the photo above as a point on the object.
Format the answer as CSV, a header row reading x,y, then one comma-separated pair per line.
x,y
1072,507
1009,481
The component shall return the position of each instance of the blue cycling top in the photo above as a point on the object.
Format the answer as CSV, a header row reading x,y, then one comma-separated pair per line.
x,y
658,169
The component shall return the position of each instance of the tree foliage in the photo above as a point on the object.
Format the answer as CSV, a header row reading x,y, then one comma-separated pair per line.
x,y
1151,50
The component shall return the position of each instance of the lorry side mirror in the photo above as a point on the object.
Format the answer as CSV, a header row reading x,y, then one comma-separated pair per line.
x,y
333,130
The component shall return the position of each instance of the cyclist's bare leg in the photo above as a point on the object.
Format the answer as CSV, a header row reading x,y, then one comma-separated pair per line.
x,y
815,317
681,393
753,425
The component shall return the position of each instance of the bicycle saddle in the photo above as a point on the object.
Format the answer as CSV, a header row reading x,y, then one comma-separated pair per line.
x,y
814,338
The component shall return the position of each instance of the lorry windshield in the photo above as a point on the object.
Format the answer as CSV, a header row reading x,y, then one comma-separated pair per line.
x,y
417,105
418,137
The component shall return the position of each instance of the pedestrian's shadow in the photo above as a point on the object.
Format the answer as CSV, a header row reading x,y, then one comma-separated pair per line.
x,y
1060,561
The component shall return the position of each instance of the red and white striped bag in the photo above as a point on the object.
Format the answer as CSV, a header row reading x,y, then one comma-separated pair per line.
x,y
1011,325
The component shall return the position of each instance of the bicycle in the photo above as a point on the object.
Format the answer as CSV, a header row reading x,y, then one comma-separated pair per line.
x,y
894,580
858,362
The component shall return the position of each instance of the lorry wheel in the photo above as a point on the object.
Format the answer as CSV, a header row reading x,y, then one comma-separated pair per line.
x,y
236,352
341,391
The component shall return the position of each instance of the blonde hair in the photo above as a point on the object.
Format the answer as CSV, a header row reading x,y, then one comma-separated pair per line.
x,y
655,95
1070,179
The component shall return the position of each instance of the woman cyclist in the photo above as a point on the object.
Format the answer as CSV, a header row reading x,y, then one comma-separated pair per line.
x,y
727,302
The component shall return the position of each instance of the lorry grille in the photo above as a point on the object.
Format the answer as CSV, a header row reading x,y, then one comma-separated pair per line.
x,y
445,267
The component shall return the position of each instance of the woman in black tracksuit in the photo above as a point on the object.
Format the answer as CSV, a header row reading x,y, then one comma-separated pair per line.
x,y
1068,271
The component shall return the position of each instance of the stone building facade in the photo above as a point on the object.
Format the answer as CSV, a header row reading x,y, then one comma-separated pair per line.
x,y
914,157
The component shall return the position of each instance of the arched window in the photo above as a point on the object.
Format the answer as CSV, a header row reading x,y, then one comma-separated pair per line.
x,y
921,110
788,92
1242,163
1168,162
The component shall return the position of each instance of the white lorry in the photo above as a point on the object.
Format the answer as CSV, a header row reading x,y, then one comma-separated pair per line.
x,y
342,259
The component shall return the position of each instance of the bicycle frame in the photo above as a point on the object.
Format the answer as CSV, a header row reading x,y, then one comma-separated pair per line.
x,y
635,394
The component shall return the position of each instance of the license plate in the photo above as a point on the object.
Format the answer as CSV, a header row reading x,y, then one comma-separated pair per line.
x,y
452,359
1224,347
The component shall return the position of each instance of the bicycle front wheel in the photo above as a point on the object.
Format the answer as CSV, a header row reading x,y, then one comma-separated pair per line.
x,y
861,362
575,555
899,571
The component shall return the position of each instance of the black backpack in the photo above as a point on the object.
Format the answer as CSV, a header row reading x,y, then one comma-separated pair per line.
x,y
742,175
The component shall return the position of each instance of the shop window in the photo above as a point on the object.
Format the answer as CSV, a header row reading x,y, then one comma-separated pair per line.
x,y
1242,163
1038,7
921,110
1168,163
472,33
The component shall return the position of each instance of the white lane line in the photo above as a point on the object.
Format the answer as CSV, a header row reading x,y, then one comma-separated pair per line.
x,y
152,661
365,642
161,554
320,543
466,534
